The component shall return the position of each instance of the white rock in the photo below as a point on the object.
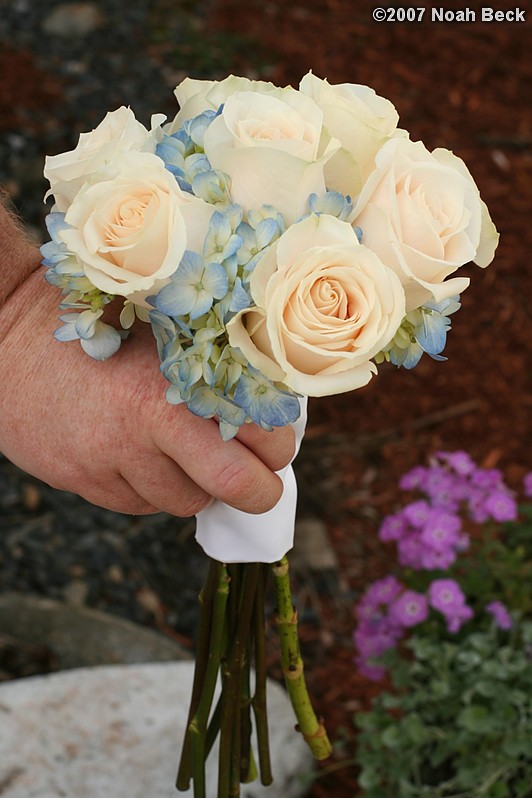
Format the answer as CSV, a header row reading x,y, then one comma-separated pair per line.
x,y
117,731
73,19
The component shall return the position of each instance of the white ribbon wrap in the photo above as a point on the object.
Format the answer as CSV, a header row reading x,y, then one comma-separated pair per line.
x,y
229,535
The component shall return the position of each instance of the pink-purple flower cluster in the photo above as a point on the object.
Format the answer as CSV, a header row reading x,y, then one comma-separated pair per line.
x,y
429,536
388,609
446,596
428,532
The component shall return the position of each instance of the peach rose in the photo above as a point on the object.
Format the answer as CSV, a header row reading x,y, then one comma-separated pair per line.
x,y
130,233
421,212
269,145
325,305
361,120
117,133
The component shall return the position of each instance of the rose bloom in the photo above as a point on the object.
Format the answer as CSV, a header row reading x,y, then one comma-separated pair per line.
x,y
196,96
422,214
325,305
119,132
267,139
361,120
130,233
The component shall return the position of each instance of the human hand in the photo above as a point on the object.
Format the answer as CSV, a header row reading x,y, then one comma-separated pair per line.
x,y
105,430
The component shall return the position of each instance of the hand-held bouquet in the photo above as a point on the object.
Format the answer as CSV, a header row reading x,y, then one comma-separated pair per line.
x,y
281,243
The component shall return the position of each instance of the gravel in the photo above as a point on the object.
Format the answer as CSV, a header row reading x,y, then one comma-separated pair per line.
x,y
59,78
147,569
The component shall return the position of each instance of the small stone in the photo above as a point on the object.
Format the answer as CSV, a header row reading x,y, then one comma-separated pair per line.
x,y
73,19
115,574
31,496
312,547
76,592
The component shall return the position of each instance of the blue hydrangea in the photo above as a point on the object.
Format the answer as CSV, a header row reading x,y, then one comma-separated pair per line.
x,y
423,330
331,203
266,405
193,288
183,155
99,340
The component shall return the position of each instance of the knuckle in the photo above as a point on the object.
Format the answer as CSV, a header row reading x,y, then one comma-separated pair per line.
x,y
190,506
236,482
252,490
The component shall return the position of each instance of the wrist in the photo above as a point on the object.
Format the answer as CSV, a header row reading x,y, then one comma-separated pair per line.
x,y
19,259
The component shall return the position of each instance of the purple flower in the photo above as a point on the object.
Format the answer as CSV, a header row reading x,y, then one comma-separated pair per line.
x,y
441,530
393,527
432,559
460,462
372,640
458,618
500,614
501,506
487,479
477,507
527,484
409,552
446,595
443,488
413,478
383,591
409,609
417,513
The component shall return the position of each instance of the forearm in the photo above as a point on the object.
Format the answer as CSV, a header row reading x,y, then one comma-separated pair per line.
x,y
19,258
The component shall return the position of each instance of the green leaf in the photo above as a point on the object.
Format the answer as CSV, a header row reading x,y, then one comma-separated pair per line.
x,y
495,669
369,778
499,790
470,659
475,719
414,729
390,701
487,688
516,744
470,775
391,737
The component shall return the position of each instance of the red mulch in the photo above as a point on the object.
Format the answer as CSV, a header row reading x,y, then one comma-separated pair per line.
x,y
466,87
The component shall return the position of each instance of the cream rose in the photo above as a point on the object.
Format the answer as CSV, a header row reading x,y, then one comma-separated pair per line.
x,y
196,96
421,213
130,233
325,305
117,133
361,120
269,145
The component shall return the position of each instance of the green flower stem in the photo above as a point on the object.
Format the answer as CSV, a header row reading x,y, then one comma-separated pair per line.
x,y
245,718
206,599
213,728
230,736
259,698
197,728
310,727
